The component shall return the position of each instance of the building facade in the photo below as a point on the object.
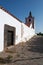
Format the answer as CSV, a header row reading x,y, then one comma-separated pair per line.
x,y
12,30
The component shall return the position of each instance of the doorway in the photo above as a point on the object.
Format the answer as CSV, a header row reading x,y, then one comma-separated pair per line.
x,y
9,35
10,38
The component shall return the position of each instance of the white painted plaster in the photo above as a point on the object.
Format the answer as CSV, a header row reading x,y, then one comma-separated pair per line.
x,y
22,31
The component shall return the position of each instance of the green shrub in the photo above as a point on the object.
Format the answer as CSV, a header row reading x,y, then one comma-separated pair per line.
x,y
40,33
9,57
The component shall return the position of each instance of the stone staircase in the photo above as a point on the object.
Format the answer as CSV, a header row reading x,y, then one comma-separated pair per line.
x,y
28,53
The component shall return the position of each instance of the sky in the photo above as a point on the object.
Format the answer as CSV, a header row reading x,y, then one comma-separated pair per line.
x,y
21,9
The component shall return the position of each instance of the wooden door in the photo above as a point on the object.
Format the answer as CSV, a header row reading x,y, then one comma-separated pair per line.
x,y
10,38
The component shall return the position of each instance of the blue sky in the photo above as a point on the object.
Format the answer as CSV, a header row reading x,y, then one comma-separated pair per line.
x,y
21,9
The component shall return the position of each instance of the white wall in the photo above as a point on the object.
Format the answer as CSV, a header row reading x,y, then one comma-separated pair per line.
x,y
22,31
28,32
5,18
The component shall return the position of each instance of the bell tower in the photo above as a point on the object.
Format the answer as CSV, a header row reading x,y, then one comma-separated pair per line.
x,y
29,20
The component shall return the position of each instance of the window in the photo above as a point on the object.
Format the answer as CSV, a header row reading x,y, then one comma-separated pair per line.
x,y
29,20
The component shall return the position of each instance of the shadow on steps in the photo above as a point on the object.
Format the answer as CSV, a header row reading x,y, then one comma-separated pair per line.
x,y
36,45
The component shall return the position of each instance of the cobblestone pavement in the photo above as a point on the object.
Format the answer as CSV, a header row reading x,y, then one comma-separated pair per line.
x,y
28,53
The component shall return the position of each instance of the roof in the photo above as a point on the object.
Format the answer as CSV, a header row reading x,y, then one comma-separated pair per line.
x,y
9,13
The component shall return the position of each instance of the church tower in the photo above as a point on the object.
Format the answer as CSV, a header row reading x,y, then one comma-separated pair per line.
x,y
30,20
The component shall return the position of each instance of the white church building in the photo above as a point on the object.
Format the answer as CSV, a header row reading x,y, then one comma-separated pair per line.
x,y
13,31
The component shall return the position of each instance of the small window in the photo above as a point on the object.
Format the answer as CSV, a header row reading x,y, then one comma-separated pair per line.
x,y
29,20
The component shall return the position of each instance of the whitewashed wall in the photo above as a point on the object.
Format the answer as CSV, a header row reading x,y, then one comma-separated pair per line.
x,y
5,18
28,32
22,31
